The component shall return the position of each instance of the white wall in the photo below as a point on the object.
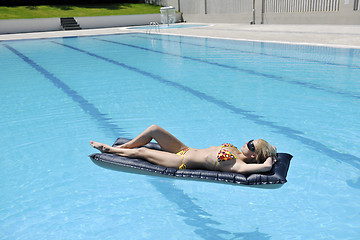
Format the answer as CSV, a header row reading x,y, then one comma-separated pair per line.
x,y
53,24
240,11
120,20
29,25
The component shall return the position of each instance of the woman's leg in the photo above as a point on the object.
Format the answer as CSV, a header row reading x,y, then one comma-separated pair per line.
x,y
166,141
162,158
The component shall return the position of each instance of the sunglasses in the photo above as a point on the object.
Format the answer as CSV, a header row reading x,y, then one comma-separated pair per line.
x,y
251,145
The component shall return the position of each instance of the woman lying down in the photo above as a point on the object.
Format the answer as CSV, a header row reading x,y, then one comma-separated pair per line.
x,y
255,156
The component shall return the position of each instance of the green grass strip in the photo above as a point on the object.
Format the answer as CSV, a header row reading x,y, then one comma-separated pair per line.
x,y
22,12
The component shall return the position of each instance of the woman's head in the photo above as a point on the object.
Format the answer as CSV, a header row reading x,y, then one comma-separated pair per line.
x,y
263,150
258,150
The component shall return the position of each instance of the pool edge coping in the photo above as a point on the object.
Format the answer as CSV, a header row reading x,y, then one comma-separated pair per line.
x,y
123,30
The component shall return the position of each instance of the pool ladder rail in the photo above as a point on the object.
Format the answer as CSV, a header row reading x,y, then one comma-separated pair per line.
x,y
153,25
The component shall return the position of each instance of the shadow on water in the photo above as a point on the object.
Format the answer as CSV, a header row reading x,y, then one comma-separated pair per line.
x,y
195,216
354,184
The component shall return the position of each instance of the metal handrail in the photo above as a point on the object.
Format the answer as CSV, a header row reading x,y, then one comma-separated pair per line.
x,y
152,25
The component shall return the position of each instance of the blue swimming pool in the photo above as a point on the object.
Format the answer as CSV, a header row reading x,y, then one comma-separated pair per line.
x,y
58,94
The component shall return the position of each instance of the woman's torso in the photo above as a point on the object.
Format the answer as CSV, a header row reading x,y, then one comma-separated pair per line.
x,y
208,158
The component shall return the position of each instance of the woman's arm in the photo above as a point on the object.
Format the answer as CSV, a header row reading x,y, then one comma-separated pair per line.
x,y
244,168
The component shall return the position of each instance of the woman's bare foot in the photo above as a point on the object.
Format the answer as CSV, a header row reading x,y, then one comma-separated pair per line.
x,y
100,146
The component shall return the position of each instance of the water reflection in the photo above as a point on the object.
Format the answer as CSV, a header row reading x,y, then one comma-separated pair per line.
x,y
197,217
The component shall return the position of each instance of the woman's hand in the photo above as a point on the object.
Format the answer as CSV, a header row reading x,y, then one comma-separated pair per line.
x,y
244,168
269,162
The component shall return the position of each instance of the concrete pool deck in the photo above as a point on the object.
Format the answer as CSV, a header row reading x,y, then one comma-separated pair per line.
x,y
344,36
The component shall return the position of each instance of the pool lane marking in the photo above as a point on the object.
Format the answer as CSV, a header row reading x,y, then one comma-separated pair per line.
x,y
258,53
248,71
194,92
88,107
288,132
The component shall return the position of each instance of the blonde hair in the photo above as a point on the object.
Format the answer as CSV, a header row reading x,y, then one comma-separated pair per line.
x,y
264,150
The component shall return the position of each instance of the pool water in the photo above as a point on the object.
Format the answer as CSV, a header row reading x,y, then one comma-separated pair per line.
x,y
58,94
